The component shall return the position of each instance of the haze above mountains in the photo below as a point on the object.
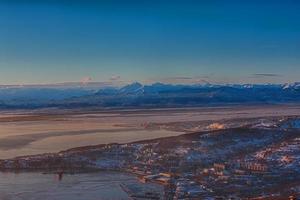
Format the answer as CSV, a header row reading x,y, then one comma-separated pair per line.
x,y
136,95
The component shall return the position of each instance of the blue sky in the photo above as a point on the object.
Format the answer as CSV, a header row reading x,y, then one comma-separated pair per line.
x,y
54,41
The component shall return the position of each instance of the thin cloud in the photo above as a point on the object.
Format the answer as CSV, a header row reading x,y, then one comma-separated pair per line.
x,y
186,79
179,78
266,75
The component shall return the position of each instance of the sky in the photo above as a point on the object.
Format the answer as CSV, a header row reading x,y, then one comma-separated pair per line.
x,y
52,41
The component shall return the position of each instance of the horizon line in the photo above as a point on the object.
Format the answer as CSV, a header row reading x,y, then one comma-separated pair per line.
x,y
124,83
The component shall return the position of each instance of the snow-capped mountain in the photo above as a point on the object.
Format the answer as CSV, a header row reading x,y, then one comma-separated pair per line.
x,y
154,95
134,88
295,85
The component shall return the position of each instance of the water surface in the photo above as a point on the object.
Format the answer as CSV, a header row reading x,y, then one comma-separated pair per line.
x,y
19,145
90,186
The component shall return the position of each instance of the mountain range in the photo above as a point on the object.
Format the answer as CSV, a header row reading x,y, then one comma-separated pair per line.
x,y
155,95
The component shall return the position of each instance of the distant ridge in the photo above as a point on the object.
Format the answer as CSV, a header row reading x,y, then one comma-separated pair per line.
x,y
154,95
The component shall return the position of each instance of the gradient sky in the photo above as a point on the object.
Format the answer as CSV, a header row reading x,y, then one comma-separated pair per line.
x,y
184,41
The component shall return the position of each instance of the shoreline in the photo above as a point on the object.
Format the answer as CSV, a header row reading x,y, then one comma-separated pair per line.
x,y
22,135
